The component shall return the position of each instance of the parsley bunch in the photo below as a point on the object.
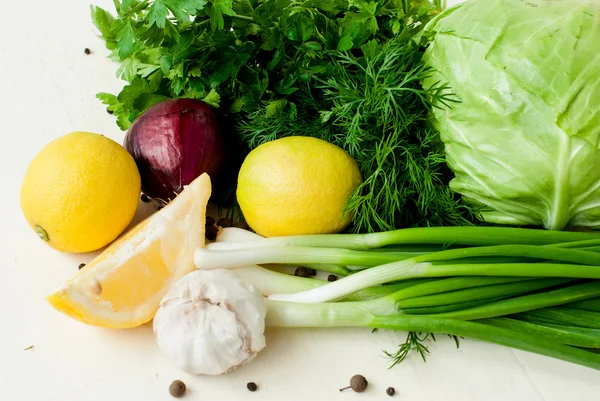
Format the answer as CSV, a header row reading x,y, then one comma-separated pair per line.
x,y
346,71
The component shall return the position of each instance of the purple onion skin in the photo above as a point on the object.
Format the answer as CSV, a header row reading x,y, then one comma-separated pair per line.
x,y
175,141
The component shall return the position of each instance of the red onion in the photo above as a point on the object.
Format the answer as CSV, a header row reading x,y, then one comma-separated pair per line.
x,y
175,141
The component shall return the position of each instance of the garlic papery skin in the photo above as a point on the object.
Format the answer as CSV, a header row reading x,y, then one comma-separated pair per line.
x,y
210,322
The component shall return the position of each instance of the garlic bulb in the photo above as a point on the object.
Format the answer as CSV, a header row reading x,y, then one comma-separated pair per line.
x,y
210,322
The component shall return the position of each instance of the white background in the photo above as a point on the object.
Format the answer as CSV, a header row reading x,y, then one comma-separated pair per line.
x,y
47,89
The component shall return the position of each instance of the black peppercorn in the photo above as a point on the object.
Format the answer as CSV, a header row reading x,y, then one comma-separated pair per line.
x,y
87,51
81,266
145,198
302,272
390,391
110,111
209,221
252,386
177,389
358,384
331,277
211,232
224,222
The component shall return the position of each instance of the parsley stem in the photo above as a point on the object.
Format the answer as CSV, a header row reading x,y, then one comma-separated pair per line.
x,y
240,18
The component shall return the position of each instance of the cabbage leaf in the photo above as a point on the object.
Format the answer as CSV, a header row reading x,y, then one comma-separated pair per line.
x,y
523,136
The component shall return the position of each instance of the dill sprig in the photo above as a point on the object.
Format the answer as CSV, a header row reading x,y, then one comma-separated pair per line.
x,y
415,342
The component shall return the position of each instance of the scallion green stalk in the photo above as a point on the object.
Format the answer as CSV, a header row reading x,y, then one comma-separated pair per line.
x,y
498,335
563,316
431,310
588,304
561,296
472,236
208,258
569,335
409,269
362,314
466,294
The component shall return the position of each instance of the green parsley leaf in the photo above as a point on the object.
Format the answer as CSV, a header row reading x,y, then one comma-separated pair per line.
x,y
125,38
144,70
195,71
103,21
125,5
243,7
217,10
351,33
166,62
116,107
155,80
269,11
146,100
330,6
110,100
370,49
212,98
133,102
183,9
275,108
236,105
128,69
157,14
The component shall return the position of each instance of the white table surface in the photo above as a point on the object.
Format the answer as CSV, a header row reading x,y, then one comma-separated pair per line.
x,y
47,89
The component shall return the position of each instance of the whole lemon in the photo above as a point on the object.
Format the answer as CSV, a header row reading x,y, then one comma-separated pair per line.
x,y
80,192
297,185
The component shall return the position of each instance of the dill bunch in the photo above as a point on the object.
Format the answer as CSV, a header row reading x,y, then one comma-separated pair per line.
x,y
372,105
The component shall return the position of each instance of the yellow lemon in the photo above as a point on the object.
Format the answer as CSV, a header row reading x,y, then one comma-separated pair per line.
x,y
123,286
80,192
297,185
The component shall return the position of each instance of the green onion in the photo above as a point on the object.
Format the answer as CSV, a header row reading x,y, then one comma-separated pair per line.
x,y
409,269
569,335
360,314
489,333
525,303
219,259
588,304
482,292
431,310
474,236
563,316
533,290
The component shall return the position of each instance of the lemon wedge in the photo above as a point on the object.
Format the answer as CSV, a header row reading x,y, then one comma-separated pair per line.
x,y
122,287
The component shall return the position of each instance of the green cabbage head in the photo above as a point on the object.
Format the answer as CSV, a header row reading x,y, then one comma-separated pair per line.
x,y
523,139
